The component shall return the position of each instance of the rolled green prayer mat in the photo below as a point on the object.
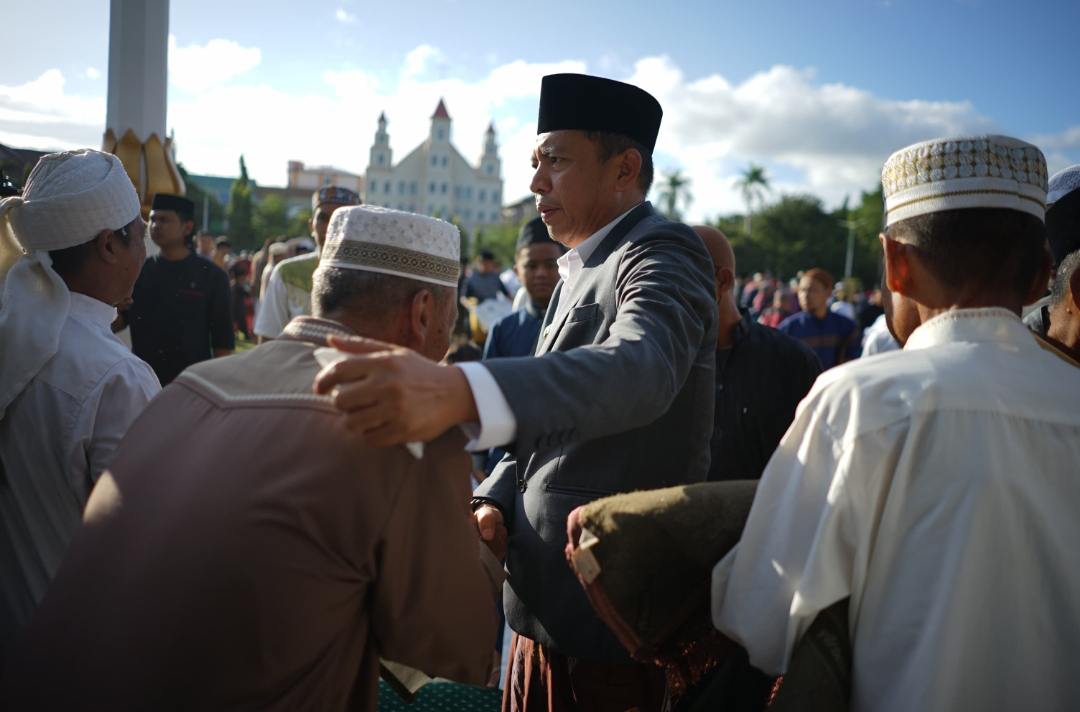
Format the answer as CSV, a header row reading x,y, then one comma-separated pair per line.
x,y
645,560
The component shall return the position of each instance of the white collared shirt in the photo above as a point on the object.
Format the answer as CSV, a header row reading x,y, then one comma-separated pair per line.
x,y
498,426
56,438
939,488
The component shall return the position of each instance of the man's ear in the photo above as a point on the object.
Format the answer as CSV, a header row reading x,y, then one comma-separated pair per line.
x,y
629,164
725,280
898,266
421,317
1074,287
107,245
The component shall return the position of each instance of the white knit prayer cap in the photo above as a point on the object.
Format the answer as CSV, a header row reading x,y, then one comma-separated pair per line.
x,y
1063,183
965,172
376,239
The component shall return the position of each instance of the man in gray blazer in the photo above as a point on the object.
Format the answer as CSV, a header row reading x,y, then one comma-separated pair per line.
x,y
620,397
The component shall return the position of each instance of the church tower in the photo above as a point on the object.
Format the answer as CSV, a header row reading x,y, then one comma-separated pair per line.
x,y
440,124
381,156
489,161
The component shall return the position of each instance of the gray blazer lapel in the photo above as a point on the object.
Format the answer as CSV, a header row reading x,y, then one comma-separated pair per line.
x,y
555,318
550,330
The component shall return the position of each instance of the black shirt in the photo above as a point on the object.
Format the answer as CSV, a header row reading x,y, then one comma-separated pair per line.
x,y
180,314
759,381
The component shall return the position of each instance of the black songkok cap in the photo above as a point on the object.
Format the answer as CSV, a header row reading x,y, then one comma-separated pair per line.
x,y
584,103
533,232
177,203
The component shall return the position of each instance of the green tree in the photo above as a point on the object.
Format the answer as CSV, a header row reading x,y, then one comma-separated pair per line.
x,y
271,218
240,217
500,238
299,224
753,184
675,192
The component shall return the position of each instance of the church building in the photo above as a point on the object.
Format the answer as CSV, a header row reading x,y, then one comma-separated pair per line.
x,y
434,178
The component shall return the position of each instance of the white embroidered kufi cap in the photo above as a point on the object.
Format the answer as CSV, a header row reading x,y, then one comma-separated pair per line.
x,y
375,239
966,172
1063,183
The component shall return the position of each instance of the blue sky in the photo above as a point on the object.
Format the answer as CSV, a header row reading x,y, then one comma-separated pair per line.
x,y
819,92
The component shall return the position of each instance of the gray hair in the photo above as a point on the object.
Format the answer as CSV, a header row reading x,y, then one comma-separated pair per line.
x,y
367,295
1063,278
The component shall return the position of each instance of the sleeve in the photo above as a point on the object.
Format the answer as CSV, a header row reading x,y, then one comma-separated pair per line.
x,y
222,334
125,392
491,345
273,307
666,311
497,426
805,541
433,603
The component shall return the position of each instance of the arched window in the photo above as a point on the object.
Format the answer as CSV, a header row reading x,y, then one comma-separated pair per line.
x,y
401,187
412,189
431,188
442,189
434,160
444,161
386,187
374,186
381,159
482,196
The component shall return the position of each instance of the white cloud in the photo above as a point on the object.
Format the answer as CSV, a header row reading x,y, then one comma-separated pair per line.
x,y
419,60
828,139
41,114
345,16
832,135
93,73
195,68
1062,149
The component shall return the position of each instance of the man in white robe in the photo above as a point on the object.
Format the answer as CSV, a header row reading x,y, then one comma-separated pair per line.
x,y
936,487
70,389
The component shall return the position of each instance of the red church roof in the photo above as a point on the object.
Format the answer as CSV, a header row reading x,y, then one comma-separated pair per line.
x,y
440,111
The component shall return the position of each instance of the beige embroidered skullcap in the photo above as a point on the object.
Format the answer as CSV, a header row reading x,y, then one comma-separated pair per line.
x,y
376,239
966,172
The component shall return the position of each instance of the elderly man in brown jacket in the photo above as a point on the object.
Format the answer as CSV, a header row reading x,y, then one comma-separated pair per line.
x,y
247,551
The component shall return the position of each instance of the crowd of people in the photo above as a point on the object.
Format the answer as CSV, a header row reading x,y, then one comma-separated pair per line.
x,y
280,528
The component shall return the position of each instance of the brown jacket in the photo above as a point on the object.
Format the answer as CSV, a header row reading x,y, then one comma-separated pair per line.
x,y
248,552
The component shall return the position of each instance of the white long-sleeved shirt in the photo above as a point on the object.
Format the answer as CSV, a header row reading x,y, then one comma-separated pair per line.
x,y
283,300
498,426
56,438
938,487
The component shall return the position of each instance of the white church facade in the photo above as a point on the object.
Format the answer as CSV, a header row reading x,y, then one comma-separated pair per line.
x,y
434,178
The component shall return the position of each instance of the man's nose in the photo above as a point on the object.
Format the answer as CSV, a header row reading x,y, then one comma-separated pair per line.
x,y
539,185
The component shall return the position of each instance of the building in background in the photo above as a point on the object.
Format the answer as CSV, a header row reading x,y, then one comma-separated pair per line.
x,y
520,211
434,178
312,178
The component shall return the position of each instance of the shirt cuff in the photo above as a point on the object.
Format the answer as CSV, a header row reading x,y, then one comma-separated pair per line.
x,y
497,426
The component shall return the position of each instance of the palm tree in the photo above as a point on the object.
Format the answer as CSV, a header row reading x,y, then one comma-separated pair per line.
x,y
754,184
674,191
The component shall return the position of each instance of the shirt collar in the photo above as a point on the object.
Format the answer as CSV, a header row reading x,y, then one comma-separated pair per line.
x,y
533,309
314,329
577,256
92,310
988,324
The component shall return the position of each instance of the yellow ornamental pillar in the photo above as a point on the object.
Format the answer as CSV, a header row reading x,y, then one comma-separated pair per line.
x,y
137,97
